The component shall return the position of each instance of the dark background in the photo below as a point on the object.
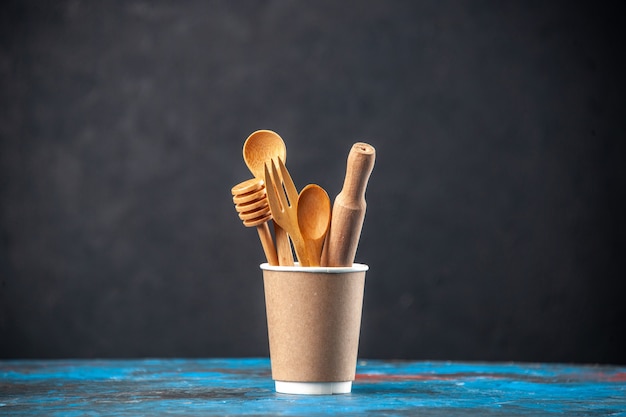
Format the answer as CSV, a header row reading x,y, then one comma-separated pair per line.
x,y
495,225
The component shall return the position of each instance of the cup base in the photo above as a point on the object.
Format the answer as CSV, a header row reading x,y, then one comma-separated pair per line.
x,y
313,388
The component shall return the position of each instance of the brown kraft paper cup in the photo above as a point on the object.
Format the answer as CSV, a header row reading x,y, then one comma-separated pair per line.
x,y
314,321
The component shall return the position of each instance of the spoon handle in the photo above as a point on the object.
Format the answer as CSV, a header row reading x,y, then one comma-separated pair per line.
x,y
349,208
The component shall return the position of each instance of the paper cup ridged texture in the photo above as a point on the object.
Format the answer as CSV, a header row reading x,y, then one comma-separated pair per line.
x,y
314,321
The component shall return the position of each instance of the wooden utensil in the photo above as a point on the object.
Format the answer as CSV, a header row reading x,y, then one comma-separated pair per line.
x,y
282,196
314,220
260,147
349,208
251,203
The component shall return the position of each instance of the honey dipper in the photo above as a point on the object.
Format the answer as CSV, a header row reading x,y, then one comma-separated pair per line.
x,y
250,201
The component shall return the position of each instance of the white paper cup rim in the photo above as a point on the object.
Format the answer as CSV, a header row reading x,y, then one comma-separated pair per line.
x,y
316,269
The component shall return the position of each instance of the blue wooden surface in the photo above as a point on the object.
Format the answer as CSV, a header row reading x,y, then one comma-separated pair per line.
x,y
244,387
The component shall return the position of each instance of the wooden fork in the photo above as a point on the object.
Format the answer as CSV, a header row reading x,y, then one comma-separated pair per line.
x,y
282,197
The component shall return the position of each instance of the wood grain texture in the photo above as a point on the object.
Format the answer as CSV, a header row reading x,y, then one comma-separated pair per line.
x,y
250,200
259,148
314,214
349,208
282,196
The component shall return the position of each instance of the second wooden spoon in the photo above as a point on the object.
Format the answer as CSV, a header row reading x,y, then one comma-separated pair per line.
x,y
314,213
264,146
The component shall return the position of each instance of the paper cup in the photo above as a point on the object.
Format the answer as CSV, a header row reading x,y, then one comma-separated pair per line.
x,y
314,321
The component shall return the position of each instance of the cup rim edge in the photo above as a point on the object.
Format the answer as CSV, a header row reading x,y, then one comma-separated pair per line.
x,y
356,267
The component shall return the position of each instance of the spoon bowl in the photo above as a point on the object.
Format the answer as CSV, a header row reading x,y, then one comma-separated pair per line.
x,y
261,147
314,213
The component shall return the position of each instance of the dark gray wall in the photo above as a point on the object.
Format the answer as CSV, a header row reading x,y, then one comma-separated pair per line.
x,y
495,226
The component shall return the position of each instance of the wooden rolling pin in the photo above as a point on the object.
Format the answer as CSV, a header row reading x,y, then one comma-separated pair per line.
x,y
349,208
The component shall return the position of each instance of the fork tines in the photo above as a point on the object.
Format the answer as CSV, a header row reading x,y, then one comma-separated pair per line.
x,y
282,197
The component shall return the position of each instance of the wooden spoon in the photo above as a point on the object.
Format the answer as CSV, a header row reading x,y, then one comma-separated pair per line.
x,y
314,220
264,146
261,147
